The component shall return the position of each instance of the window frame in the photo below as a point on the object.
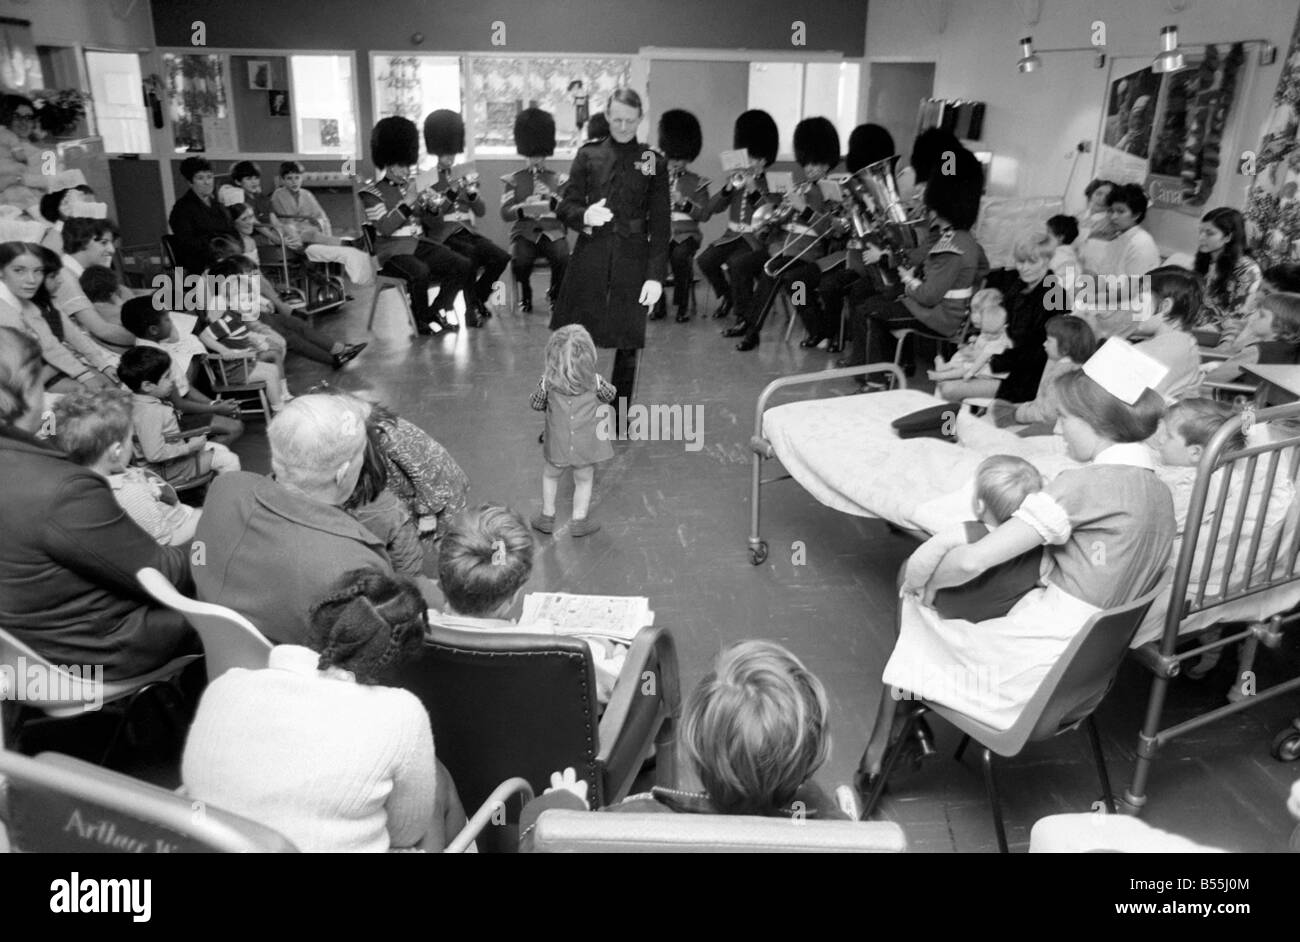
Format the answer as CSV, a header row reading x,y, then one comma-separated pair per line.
x,y
236,153
83,66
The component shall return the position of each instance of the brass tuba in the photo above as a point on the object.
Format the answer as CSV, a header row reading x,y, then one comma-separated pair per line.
x,y
878,211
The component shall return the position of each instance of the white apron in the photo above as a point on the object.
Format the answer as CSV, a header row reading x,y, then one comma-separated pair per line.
x,y
988,670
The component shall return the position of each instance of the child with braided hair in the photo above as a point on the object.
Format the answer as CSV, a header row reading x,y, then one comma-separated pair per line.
x,y
315,746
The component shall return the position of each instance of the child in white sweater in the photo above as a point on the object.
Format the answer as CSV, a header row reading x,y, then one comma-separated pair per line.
x,y
989,317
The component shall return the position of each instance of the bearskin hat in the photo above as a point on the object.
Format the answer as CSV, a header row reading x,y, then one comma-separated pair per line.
x,y
816,142
598,127
929,149
394,140
867,144
534,133
756,132
680,137
956,195
444,133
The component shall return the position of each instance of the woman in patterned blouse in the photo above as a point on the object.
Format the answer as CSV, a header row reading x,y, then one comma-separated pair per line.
x,y
1230,276
422,473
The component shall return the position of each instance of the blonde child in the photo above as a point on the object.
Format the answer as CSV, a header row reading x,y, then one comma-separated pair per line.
x,y
989,317
570,393
228,334
251,306
95,432
1270,334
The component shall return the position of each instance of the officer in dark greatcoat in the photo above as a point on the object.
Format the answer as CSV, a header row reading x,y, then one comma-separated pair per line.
x,y
529,201
617,199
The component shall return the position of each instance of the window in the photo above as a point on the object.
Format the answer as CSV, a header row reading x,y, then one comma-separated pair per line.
x,y
413,86
119,106
792,91
324,110
501,86
197,102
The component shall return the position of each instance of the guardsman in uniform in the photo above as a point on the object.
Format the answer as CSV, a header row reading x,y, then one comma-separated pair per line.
x,y
937,297
390,203
740,247
450,220
681,140
806,236
529,201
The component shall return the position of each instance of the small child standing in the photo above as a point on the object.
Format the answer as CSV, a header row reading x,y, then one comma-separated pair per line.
x,y
95,432
146,371
570,393
989,317
1002,483
1271,334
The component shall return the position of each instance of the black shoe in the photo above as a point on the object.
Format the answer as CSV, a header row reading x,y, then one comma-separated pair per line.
x,y
724,309
659,313
736,330
526,305
439,320
749,343
833,347
424,330
353,349
347,356
810,341
683,316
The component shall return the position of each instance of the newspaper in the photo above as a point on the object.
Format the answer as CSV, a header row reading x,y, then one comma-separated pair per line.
x,y
618,617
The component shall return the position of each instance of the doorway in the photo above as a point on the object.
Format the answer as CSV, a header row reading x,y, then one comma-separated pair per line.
x,y
894,94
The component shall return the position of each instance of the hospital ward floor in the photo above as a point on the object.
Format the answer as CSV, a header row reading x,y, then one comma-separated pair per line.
x,y
676,519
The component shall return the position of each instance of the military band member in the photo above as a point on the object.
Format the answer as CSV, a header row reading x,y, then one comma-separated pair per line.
x,y
740,248
529,201
390,203
450,220
805,237
681,140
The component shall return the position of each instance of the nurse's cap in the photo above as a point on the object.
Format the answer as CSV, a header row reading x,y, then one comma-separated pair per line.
x,y
1124,371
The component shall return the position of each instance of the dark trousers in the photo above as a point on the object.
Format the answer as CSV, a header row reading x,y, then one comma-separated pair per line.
x,y
623,376
714,257
872,322
300,337
832,292
487,260
431,262
525,253
743,271
800,279
681,256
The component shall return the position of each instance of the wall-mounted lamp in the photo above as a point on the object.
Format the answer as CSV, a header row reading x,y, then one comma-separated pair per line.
x,y
1030,62
1171,58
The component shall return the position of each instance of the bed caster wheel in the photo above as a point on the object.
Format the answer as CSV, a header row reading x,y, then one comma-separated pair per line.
x,y
758,554
1286,745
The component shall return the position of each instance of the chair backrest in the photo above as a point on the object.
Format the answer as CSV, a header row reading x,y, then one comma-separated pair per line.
x,y
595,832
508,704
1083,675
641,712
167,245
229,639
57,804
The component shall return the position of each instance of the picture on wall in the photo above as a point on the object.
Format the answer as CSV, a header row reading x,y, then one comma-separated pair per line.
x,y
1130,111
259,74
278,103
20,69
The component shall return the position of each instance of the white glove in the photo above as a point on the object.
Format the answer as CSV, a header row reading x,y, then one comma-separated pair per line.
x,y
651,292
597,214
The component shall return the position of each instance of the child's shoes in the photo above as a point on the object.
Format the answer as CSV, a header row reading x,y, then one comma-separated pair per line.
x,y
544,522
582,526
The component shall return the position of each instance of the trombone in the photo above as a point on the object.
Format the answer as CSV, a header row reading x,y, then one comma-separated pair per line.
x,y
784,213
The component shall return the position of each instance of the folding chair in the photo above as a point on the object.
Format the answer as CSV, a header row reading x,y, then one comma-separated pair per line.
x,y
229,639
251,396
67,695
1066,699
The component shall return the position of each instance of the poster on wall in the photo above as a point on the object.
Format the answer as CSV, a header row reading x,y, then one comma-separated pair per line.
x,y
1166,132
1126,127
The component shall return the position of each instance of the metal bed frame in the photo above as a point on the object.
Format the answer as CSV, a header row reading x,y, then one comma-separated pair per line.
x,y
762,448
1161,657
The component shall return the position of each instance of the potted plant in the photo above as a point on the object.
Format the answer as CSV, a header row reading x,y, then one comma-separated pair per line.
x,y
60,112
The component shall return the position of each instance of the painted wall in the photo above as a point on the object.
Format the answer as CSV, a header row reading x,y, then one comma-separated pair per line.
x,y
91,22
1033,122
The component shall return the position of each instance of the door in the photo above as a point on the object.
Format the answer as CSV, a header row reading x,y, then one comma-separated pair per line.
x,y
894,94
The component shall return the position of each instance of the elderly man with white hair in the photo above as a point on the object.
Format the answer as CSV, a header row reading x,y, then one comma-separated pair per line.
x,y
270,548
